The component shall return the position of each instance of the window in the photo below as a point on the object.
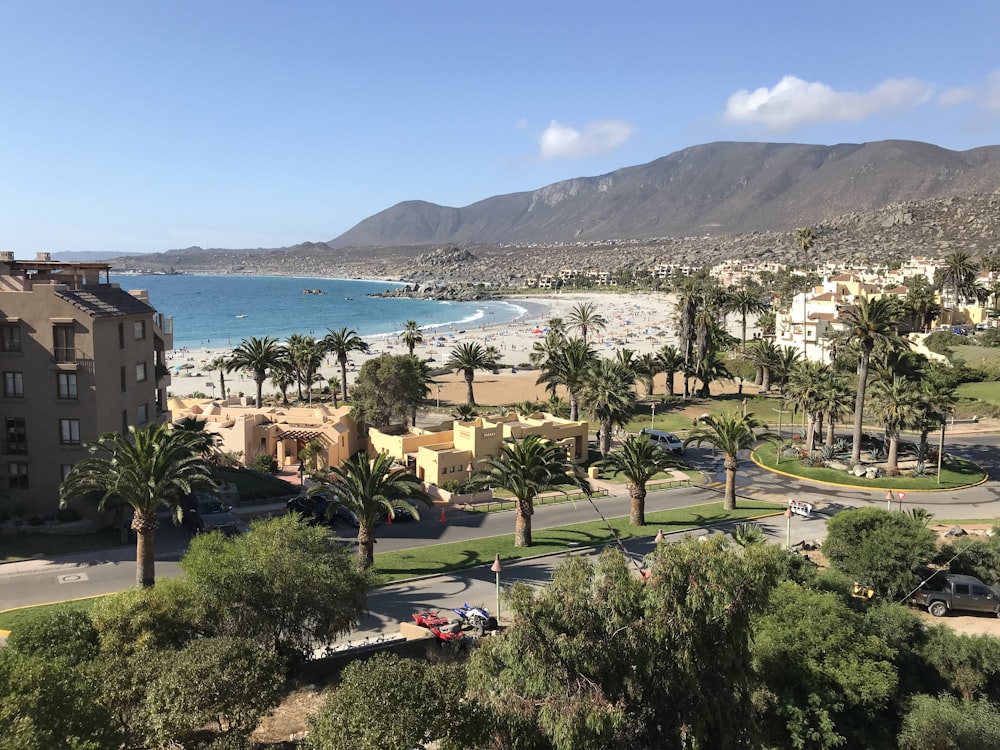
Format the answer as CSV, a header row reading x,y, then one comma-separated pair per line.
x,y
140,372
69,431
64,470
962,588
17,475
16,435
63,343
122,377
140,330
13,385
979,591
10,337
67,385
143,413
121,335
124,421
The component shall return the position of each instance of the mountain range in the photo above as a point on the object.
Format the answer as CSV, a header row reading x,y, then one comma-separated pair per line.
x,y
714,190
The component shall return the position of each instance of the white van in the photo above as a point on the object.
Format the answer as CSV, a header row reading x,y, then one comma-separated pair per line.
x,y
667,441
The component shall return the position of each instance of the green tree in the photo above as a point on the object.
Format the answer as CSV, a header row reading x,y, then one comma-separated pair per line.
x,y
609,396
896,404
282,584
372,488
585,318
526,469
684,632
870,323
149,469
746,302
765,356
389,388
144,620
411,335
920,304
221,366
377,705
943,722
804,238
48,703
638,460
729,433
259,356
670,362
225,683
282,378
825,679
306,356
959,273
968,665
341,343
936,400
467,358
879,548
567,365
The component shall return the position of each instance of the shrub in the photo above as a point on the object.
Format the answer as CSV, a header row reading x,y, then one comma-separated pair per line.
x,y
68,633
264,462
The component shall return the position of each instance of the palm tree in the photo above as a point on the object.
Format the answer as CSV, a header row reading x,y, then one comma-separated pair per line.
x,y
869,323
341,343
804,388
219,364
258,355
567,365
585,318
745,302
151,468
896,403
283,378
371,488
609,397
710,369
959,272
804,238
937,399
671,361
638,460
526,469
834,401
305,354
411,335
465,412
333,383
765,356
647,367
468,358
728,433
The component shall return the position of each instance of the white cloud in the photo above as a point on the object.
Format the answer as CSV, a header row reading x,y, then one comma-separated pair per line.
x,y
985,95
561,141
793,102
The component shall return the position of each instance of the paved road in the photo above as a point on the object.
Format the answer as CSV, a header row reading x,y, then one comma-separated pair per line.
x,y
89,574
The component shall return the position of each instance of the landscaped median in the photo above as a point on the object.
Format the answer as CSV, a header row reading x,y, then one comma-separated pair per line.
x,y
445,558
958,473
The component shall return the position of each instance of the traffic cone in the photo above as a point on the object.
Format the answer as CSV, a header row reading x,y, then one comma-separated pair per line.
x,y
443,519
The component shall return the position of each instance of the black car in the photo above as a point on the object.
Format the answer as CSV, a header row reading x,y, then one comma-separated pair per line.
x,y
204,513
312,508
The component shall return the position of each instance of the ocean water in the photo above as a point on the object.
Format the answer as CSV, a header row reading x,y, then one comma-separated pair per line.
x,y
222,311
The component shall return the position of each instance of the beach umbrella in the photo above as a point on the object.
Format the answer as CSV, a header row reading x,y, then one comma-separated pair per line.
x,y
186,366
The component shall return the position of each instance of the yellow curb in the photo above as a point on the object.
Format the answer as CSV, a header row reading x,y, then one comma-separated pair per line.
x,y
773,470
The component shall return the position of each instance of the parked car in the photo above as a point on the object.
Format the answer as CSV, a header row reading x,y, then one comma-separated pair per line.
x,y
204,513
667,441
949,591
312,508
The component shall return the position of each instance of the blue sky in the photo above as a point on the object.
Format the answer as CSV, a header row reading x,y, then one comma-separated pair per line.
x,y
139,126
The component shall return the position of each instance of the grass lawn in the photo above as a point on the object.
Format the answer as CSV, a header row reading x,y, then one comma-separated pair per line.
x,y
988,392
442,558
668,417
22,546
977,356
12,618
956,473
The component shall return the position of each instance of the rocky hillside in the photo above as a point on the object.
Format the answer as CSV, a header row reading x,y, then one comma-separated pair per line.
x,y
716,188
897,230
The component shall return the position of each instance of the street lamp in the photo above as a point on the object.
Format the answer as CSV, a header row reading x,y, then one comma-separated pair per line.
x,y
496,567
788,527
652,414
439,397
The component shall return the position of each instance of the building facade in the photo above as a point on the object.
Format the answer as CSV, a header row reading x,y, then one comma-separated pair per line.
x,y
79,357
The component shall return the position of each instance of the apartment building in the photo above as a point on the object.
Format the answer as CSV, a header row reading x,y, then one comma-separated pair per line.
x,y
79,356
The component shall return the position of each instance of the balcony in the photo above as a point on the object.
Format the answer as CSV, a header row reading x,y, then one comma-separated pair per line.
x,y
68,360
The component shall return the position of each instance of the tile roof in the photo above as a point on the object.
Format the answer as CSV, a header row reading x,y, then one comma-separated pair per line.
x,y
105,301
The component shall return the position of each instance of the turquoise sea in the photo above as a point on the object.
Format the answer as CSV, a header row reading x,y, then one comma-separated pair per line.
x,y
221,311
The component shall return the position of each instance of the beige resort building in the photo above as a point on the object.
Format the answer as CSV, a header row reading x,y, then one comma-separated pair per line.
x,y
79,356
452,455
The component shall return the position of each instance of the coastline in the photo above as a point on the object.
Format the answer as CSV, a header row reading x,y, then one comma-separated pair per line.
x,y
641,321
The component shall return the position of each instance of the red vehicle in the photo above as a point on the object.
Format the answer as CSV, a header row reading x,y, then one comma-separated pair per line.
x,y
444,630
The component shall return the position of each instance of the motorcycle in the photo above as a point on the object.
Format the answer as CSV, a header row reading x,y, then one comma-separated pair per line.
x,y
478,619
445,630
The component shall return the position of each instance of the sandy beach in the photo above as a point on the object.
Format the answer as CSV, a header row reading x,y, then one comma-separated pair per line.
x,y
641,322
